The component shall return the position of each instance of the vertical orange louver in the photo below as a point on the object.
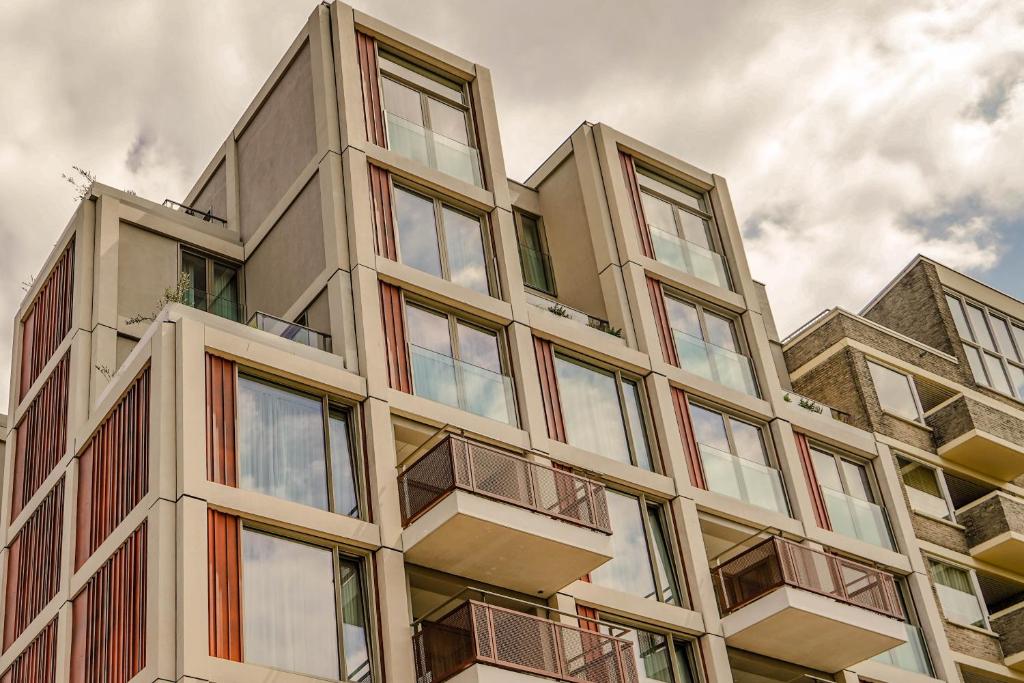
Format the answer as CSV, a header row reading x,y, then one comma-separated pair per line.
x,y
629,173
372,107
394,338
113,469
668,347
549,389
41,437
682,408
225,605
817,500
38,662
383,218
48,320
221,456
108,617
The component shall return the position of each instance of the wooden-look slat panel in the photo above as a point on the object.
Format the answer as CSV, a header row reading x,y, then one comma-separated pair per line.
x,y
383,216
38,662
629,173
108,617
221,453
394,337
668,346
41,437
48,320
817,499
693,461
33,564
373,111
225,603
549,389
113,469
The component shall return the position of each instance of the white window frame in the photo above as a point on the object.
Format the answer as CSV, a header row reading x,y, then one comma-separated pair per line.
x,y
975,586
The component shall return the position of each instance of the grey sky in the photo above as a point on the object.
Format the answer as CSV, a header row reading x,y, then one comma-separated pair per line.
x,y
854,135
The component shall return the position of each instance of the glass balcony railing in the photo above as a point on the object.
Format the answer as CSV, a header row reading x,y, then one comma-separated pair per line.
x,y
536,269
462,385
911,655
433,149
688,257
570,313
743,479
293,331
857,518
715,363
218,304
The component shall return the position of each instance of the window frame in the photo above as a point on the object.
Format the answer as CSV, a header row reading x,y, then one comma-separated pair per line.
x,y
1005,360
766,440
940,480
439,202
212,260
328,402
542,235
910,384
693,658
975,587
338,552
865,464
703,309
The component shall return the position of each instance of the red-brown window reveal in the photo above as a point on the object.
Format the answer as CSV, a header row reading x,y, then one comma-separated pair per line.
x,y
114,469
668,346
48,320
221,453
549,388
224,595
693,462
42,437
394,337
38,662
372,109
629,173
817,500
33,565
383,217
108,617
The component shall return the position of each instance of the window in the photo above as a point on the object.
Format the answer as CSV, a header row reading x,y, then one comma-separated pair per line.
x,y
959,594
427,118
533,254
303,608
681,228
441,240
660,657
709,345
926,489
913,654
896,392
993,344
603,412
734,458
296,446
458,363
213,285
642,560
847,487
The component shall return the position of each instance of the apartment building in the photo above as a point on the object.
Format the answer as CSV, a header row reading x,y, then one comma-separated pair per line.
x,y
405,419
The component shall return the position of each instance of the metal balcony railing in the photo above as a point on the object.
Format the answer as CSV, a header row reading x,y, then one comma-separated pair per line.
x,y
476,633
457,463
293,331
777,562
193,211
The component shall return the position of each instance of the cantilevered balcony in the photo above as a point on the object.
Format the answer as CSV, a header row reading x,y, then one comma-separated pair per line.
x,y
1009,624
482,643
804,606
995,530
980,437
480,513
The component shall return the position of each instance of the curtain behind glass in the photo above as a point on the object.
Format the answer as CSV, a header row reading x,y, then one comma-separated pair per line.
x,y
353,613
224,300
590,410
281,443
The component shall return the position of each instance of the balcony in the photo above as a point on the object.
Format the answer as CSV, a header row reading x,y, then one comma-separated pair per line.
x,y
743,479
568,312
462,385
293,331
815,407
480,513
980,437
715,363
433,149
857,518
910,656
474,639
688,257
1009,624
801,605
995,530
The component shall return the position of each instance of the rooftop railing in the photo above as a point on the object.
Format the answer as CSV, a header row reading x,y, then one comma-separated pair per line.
x,y
457,463
816,407
193,211
477,633
293,331
776,562
561,310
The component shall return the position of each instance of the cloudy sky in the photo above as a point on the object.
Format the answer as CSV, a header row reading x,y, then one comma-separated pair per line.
x,y
854,134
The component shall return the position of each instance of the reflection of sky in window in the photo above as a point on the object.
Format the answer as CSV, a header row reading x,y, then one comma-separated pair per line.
x,y
590,410
465,250
428,330
417,235
630,568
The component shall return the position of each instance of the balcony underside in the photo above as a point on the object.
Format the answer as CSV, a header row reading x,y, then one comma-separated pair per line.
x,y
481,539
485,673
811,630
986,453
1005,550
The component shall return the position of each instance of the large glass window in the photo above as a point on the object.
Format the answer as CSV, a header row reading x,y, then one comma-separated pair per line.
x,y
295,446
913,654
213,285
533,254
642,563
850,498
926,489
993,344
660,657
896,392
295,595
959,594
603,412
441,240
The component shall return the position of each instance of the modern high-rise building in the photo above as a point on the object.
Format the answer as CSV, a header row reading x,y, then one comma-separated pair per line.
x,y
361,408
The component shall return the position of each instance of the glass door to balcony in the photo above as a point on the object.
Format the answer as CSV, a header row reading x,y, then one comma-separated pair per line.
x,y
708,345
212,285
850,499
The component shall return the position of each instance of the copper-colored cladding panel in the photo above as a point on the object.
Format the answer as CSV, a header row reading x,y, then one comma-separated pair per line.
x,y
113,469
549,388
818,500
108,617
629,173
38,662
221,456
48,320
372,107
394,338
42,437
668,346
33,565
225,605
383,217
690,446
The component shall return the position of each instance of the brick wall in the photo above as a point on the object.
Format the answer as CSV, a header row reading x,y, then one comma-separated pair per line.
x,y
965,414
831,383
911,307
974,643
934,531
995,515
1010,627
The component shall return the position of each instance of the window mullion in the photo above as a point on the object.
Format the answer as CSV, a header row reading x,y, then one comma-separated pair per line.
x,y
652,548
624,416
325,409
339,614
441,237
